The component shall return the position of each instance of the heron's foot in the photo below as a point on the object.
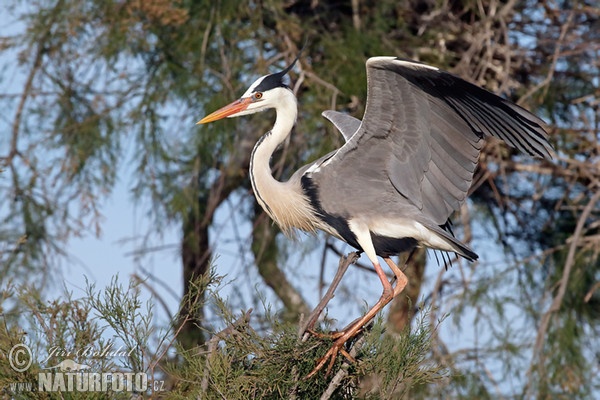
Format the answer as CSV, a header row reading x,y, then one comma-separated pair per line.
x,y
331,335
341,338
353,326
331,355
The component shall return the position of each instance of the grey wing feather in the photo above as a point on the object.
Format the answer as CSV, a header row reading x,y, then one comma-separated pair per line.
x,y
422,133
346,124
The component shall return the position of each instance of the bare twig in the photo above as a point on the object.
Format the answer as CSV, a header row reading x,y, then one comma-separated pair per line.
x,y
590,292
206,37
557,52
356,15
315,78
154,293
213,343
345,262
440,351
159,357
562,289
305,326
322,268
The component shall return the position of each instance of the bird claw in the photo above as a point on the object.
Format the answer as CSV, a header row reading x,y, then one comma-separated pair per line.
x,y
330,335
331,355
338,334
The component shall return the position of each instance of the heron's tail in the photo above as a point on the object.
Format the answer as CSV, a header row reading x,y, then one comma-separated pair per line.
x,y
463,250
450,243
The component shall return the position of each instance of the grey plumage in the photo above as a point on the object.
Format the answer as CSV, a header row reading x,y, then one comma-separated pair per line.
x,y
346,124
414,154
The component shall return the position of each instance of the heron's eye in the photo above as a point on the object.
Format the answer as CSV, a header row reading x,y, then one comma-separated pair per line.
x,y
257,96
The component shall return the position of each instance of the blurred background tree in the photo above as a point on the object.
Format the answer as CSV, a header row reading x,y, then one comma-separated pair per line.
x,y
123,82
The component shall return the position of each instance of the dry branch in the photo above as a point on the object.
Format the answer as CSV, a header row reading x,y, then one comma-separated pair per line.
x,y
562,288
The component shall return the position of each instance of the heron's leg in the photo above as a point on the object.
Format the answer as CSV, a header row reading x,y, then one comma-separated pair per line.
x,y
387,295
401,279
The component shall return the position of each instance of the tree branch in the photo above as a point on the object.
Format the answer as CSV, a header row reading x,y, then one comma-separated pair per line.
x,y
343,265
562,289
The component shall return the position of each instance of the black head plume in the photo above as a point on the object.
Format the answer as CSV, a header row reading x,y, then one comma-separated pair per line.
x,y
276,80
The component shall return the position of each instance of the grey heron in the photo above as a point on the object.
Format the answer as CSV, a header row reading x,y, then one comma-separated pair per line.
x,y
403,170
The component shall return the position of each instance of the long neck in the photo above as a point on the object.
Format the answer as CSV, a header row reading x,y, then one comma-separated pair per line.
x,y
283,201
260,167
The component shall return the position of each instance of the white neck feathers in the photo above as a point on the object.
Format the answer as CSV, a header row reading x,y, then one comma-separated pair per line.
x,y
283,201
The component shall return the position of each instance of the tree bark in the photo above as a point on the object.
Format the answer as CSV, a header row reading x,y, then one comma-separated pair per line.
x,y
264,247
195,248
195,256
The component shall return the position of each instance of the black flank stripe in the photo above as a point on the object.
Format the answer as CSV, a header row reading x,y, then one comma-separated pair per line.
x,y
339,223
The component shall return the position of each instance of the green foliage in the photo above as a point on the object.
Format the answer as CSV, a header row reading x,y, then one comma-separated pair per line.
x,y
124,312
238,362
401,364
96,330
241,362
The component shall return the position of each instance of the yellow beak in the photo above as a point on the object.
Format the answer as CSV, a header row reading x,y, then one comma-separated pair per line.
x,y
228,110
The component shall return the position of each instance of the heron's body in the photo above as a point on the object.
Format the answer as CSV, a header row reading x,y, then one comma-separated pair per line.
x,y
404,169
297,203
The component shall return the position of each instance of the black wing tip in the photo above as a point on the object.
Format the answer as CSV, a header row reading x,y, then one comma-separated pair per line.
x,y
469,255
547,153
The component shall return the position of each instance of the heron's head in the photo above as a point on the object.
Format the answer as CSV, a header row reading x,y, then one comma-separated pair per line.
x,y
266,92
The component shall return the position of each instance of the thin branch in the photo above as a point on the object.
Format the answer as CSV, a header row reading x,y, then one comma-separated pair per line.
x,y
356,15
358,265
321,283
557,51
590,292
562,289
169,345
16,127
154,293
213,344
345,262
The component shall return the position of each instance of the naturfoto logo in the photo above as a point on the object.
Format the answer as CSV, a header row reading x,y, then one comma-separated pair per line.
x,y
68,375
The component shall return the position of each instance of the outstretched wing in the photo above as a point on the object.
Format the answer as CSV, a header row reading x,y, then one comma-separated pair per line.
x,y
346,124
422,131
